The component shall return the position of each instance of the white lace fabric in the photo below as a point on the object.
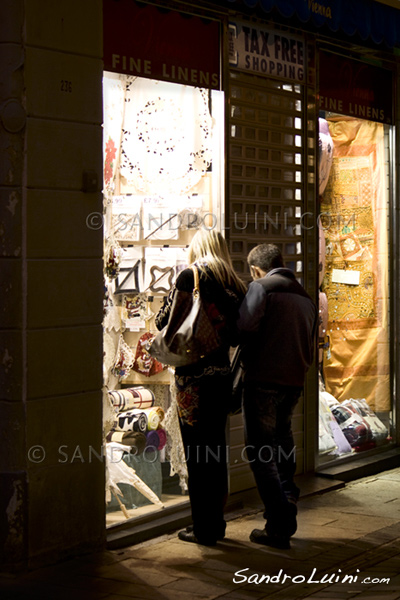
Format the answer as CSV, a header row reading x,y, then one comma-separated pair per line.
x,y
166,140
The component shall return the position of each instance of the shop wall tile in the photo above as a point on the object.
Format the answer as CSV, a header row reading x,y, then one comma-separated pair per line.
x,y
64,26
10,293
12,436
13,524
63,430
11,67
11,365
60,152
10,222
65,292
63,86
11,20
64,361
64,224
75,493
11,163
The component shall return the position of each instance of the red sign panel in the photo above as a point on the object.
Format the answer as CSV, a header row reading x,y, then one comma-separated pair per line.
x,y
353,88
148,41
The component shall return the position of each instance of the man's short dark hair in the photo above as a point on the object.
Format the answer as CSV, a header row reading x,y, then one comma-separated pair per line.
x,y
266,257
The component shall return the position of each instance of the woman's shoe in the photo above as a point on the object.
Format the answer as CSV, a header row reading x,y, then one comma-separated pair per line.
x,y
188,536
260,536
219,538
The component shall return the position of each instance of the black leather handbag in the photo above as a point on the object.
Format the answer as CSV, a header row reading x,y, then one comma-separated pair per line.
x,y
189,334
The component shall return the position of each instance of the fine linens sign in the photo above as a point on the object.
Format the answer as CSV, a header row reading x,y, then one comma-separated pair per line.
x,y
354,88
266,52
146,41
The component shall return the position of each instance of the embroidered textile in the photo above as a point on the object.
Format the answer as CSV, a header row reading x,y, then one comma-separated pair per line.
x,y
144,363
187,391
354,210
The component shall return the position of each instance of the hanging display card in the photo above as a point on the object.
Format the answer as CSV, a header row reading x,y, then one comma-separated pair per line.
x,y
129,279
126,217
161,267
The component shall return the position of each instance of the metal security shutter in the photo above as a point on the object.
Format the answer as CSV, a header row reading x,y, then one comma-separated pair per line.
x,y
267,174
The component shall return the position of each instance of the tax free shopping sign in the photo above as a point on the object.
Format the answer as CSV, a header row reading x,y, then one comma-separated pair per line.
x,y
266,52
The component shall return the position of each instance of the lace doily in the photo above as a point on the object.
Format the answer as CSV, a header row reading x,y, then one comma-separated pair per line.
x,y
124,360
108,414
112,320
174,448
166,139
109,355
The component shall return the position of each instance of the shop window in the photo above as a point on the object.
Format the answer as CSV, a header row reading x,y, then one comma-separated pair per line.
x,y
163,179
355,399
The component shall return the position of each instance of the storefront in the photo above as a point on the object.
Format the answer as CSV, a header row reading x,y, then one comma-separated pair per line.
x,y
242,126
163,179
357,215
269,119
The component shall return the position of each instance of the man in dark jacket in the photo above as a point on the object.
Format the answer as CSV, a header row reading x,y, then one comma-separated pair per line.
x,y
277,328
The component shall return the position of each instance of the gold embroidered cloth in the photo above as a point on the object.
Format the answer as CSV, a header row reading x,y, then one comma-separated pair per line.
x,y
354,215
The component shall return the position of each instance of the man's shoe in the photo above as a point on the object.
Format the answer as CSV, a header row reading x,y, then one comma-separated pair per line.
x,y
188,536
260,536
292,522
189,529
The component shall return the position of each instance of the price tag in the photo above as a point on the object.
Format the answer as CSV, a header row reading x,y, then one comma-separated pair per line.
x,y
135,324
343,276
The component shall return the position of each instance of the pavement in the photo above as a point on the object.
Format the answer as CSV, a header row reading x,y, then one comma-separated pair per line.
x,y
347,546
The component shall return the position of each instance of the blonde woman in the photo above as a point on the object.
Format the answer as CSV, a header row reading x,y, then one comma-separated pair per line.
x,y
203,389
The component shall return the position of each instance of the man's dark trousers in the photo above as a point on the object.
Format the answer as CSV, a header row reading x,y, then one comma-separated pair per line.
x,y
271,452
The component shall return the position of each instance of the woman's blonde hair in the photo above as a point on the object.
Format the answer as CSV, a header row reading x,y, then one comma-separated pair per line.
x,y
208,248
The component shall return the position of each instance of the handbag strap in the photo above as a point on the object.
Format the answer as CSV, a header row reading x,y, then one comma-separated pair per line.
x,y
196,287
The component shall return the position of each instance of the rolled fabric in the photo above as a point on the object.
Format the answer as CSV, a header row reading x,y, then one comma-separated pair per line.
x,y
135,439
162,435
130,398
154,417
131,420
152,440
143,398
